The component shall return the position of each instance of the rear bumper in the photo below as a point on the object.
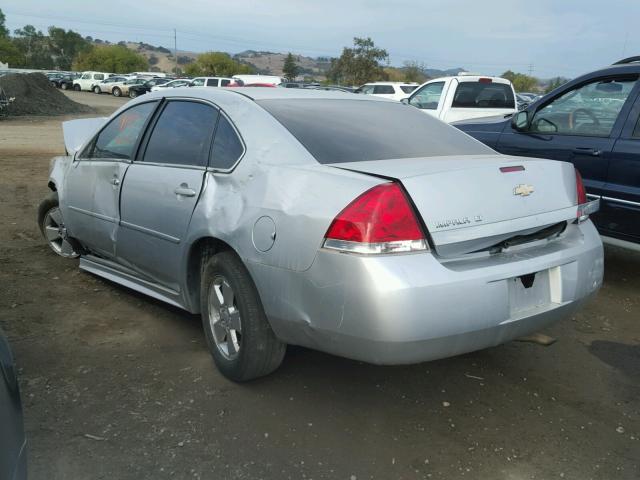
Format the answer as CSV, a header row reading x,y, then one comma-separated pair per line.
x,y
399,309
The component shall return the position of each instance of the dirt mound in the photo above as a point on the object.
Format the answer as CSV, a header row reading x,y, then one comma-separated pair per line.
x,y
34,95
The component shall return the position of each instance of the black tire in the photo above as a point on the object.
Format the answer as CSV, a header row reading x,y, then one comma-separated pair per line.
x,y
133,94
259,352
76,87
96,89
116,92
64,86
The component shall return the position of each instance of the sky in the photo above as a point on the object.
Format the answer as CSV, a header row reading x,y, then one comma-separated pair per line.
x,y
546,37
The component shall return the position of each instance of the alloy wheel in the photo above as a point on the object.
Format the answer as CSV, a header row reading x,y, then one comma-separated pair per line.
x,y
56,234
224,318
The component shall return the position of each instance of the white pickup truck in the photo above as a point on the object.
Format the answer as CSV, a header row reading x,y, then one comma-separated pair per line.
x,y
463,97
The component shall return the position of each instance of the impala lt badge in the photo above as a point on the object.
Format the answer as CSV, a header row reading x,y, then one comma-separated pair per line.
x,y
523,190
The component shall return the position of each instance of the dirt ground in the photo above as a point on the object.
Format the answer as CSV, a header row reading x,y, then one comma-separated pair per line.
x,y
116,385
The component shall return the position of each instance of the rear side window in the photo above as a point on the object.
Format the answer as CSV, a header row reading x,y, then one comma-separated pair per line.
x,y
408,88
483,95
98,76
182,134
336,131
119,138
383,90
225,82
227,147
212,82
366,89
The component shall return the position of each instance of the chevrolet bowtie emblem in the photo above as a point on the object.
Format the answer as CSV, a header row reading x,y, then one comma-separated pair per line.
x,y
523,190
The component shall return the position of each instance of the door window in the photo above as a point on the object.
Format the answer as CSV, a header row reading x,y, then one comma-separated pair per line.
x,y
590,109
428,97
182,135
224,82
119,138
636,130
86,76
227,146
98,76
212,82
197,82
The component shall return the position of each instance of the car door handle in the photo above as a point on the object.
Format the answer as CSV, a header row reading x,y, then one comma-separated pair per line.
x,y
184,191
587,151
115,181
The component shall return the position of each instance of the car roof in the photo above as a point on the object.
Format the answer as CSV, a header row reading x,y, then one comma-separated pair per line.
x,y
264,93
390,83
470,78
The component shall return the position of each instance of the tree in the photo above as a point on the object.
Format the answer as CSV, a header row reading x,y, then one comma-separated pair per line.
x,y
415,72
555,83
10,54
521,82
34,47
216,64
65,45
359,64
290,68
3,30
111,58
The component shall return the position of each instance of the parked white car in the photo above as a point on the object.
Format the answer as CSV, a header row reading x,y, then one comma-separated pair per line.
x,y
247,79
464,96
88,80
211,81
180,82
392,90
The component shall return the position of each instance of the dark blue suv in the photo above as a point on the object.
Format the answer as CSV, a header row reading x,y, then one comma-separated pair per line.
x,y
593,122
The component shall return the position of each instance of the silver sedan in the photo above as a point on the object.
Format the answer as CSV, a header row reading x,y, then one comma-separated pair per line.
x,y
349,224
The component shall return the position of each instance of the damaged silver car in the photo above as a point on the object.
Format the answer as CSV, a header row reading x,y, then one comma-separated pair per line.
x,y
349,224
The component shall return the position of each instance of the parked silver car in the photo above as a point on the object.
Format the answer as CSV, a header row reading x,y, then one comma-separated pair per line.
x,y
349,224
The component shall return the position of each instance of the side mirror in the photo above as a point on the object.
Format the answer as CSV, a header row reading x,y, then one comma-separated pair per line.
x,y
405,100
520,121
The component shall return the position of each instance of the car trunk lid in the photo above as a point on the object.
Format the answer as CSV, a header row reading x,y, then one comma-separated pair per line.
x,y
471,203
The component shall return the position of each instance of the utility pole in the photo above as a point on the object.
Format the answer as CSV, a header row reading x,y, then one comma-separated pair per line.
x,y
531,69
175,51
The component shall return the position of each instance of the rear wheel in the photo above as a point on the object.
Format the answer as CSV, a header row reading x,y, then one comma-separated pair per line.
x,y
96,89
76,87
53,229
238,334
116,92
133,94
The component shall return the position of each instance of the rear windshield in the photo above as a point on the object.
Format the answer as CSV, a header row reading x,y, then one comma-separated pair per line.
x,y
408,88
483,95
337,131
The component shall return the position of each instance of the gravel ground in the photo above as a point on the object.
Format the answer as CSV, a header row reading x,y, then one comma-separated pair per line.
x,y
116,385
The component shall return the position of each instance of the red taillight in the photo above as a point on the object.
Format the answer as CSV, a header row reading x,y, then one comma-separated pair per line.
x,y
485,80
582,194
381,220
